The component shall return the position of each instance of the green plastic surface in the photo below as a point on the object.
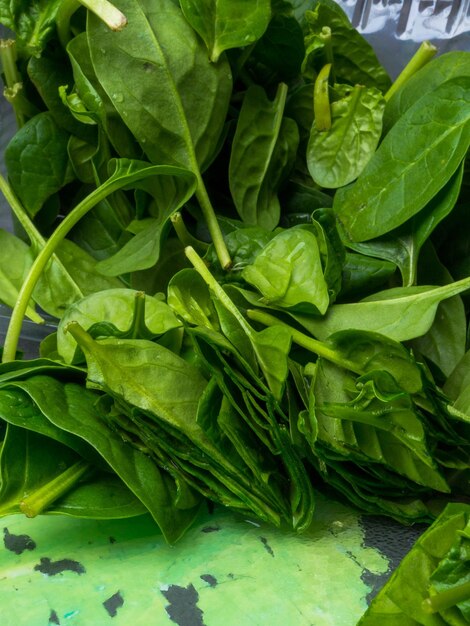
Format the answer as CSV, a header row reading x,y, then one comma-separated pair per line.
x,y
227,571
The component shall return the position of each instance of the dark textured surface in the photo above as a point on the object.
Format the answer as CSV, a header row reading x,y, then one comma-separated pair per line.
x,y
393,540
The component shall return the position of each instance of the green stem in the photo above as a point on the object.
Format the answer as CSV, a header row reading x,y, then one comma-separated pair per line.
x,y
212,224
43,497
13,81
301,339
325,36
321,99
8,59
107,12
446,599
23,108
20,213
26,291
138,318
202,270
184,235
423,55
80,335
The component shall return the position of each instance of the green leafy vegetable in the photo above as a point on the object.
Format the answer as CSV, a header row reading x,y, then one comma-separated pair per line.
x,y
256,251
224,24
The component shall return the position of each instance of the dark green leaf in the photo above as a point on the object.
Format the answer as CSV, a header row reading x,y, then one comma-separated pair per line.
x,y
225,24
37,161
410,159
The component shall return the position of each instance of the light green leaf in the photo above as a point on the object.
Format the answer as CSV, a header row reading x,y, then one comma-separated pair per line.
x,y
401,313
336,157
115,306
288,272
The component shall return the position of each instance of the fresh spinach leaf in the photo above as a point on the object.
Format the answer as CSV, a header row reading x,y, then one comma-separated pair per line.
x,y
288,272
114,306
262,154
224,24
402,245
409,159
37,161
400,313
355,62
338,155
439,70
33,22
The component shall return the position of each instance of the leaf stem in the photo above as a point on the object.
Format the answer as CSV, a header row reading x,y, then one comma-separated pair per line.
x,y
446,599
50,246
13,82
325,36
423,55
39,500
184,235
301,339
8,59
23,108
212,224
202,270
20,213
107,12
321,99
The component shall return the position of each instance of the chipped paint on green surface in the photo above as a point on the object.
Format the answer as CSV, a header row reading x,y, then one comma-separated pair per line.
x,y
227,571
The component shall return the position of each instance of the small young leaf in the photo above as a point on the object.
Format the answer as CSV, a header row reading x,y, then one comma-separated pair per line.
x,y
225,24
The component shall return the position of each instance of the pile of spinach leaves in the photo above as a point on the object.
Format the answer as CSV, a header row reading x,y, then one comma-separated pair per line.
x,y
256,249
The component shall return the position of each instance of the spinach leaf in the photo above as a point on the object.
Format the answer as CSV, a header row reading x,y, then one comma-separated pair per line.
x,y
355,62
189,297
403,599
362,274
413,167
37,161
336,156
114,306
33,22
402,246
267,348
459,378
244,244
28,461
181,99
169,192
48,73
97,102
263,152
224,24
73,408
444,343
102,496
84,269
401,313
288,272
441,69
16,255
361,421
